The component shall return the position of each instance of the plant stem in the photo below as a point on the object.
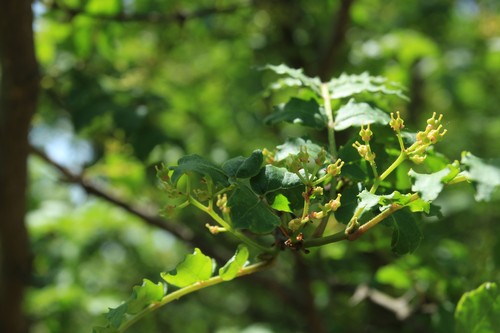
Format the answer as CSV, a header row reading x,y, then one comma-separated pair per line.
x,y
325,94
339,236
190,289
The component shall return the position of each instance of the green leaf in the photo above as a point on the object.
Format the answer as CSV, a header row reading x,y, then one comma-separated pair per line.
x,y
368,200
357,114
237,262
293,78
418,205
98,329
281,203
478,310
429,185
297,111
195,268
272,178
485,174
196,163
292,147
116,316
144,295
241,167
406,235
349,85
249,212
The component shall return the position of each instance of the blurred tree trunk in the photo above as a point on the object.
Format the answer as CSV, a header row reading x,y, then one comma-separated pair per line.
x,y
18,94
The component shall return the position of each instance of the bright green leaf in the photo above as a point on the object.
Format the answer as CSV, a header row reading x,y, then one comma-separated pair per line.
x,y
241,167
293,146
406,235
249,212
395,276
478,310
428,185
357,114
144,295
349,85
281,203
484,173
297,111
272,178
293,78
237,262
195,268
196,163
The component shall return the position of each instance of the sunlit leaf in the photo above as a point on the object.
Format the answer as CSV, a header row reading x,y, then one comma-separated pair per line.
x,y
281,203
195,268
293,146
485,174
237,262
428,185
357,114
196,163
406,235
294,77
249,212
477,311
297,111
144,295
241,167
349,85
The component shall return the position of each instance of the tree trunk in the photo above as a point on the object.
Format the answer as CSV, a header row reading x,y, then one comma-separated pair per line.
x,y
18,94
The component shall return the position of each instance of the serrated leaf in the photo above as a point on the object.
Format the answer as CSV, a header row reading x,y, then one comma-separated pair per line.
x,y
485,174
477,311
294,77
249,212
406,235
357,114
368,200
235,264
196,267
293,146
196,163
428,185
241,167
116,316
272,178
281,203
415,205
297,111
144,295
349,85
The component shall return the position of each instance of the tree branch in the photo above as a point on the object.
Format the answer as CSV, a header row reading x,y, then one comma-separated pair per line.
x,y
180,16
152,219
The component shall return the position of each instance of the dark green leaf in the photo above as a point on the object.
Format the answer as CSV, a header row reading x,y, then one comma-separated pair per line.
x,y
349,85
196,163
233,266
144,295
104,330
241,167
349,202
116,316
478,310
428,185
406,235
271,178
357,114
249,212
297,111
484,173
195,268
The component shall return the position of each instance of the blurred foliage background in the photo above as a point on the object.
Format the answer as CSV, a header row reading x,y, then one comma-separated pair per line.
x,y
127,84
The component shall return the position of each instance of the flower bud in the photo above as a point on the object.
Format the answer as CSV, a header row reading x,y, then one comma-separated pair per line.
x,y
397,124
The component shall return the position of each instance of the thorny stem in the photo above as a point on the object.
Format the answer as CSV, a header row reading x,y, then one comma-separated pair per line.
x,y
325,94
190,289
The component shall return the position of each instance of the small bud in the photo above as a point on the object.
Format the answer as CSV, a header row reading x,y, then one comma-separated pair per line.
x,y
335,168
418,159
295,224
397,124
321,158
333,205
268,156
317,215
318,190
365,133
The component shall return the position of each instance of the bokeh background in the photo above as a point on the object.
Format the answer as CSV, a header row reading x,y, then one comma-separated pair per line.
x,y
127,84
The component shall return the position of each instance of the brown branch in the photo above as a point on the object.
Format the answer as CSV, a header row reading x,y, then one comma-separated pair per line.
x,y
152,219
332,53
180,17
